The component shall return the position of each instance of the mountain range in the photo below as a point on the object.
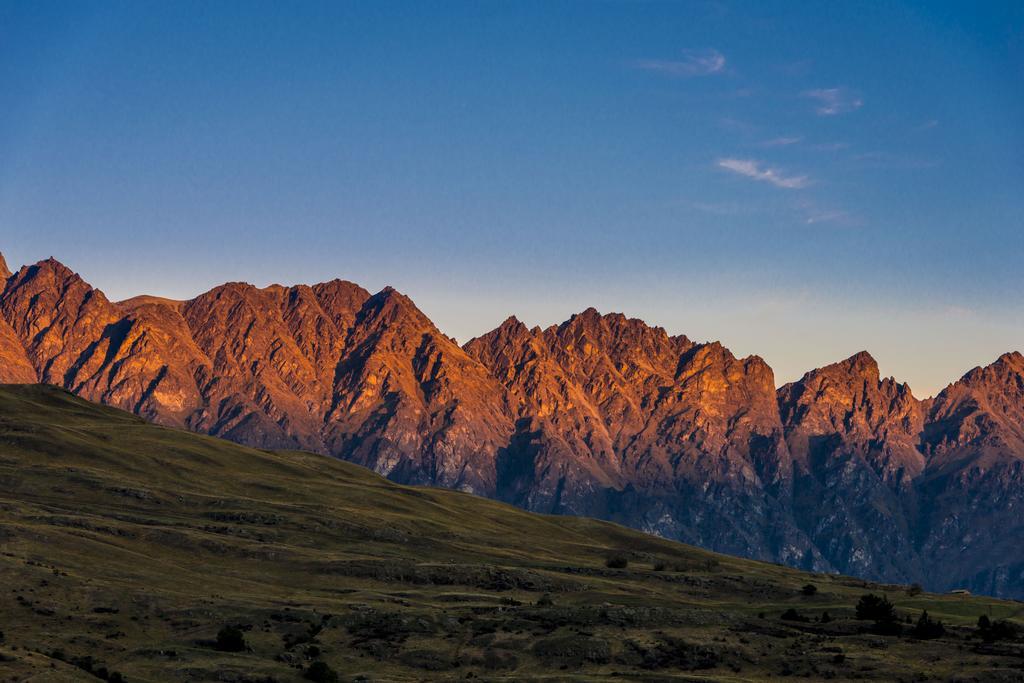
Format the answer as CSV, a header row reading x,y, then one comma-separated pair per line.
x,y
602,416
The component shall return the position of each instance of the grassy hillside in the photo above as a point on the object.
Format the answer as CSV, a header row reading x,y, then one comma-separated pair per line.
x,y
134,545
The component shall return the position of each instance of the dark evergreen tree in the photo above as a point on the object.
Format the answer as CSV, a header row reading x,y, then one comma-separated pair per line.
x,y
927,628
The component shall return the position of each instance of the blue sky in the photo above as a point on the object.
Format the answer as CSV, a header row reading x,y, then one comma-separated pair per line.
x,y
797,180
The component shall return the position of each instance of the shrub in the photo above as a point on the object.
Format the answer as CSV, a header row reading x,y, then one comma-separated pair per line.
x,y
984,623
319,672
617,562
825,617
870,607
809,590
230,639
1000,630
545,601
926,628
792,615
882,612
914,589
660,566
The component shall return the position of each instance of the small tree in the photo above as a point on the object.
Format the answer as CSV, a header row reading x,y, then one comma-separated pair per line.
x,y
984,623
809,590
914,589
870,607
319,672
825,617
926,628
617,562
230,639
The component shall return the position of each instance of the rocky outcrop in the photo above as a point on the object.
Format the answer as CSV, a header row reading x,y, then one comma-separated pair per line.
x,y
619,420
64,324
15,367
602,415
410,404
854,439
971,530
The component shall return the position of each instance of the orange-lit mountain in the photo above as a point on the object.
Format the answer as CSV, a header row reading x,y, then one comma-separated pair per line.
x,y
602,415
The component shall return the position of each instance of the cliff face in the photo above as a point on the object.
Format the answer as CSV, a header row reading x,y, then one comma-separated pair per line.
x,y
854,438
410,404
15,367
601,415
65,325
971,531
619,420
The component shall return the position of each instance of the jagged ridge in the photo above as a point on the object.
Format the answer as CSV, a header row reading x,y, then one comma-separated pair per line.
x,y
602,415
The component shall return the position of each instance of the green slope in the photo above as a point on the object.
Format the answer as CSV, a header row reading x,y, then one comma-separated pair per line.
x,y
134,545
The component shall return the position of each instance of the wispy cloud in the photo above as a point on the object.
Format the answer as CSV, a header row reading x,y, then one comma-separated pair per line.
x,y
833,101
827,216
758,171
814,215
693,63
781,141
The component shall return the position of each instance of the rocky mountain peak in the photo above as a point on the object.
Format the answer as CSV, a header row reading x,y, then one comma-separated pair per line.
x,y
847,410
48,273
512,323
863,364
389,307
1012,359
982,415
859,368
5,272
511,330
59,318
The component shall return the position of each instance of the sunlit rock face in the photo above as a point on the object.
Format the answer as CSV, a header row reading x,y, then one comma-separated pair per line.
x,y
972,526
854,438
619,420
602,415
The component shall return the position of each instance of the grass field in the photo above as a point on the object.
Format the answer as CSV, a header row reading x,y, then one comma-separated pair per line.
x,y
134,545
